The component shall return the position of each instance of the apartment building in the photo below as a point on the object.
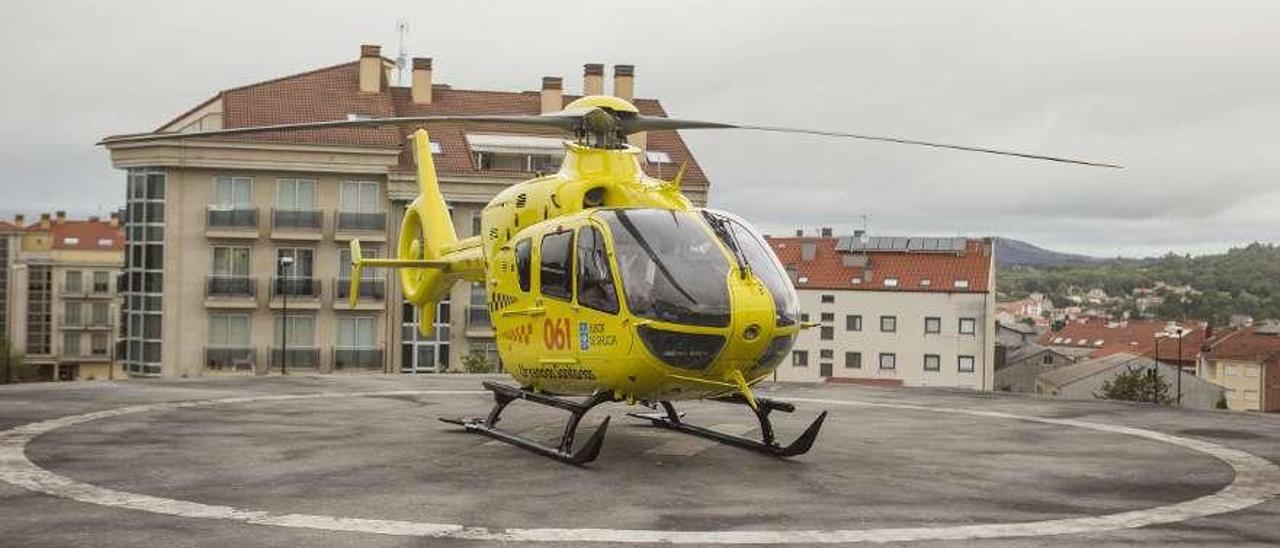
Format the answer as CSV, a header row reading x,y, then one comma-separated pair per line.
x,y
237,258
892,310
1246,362
60,306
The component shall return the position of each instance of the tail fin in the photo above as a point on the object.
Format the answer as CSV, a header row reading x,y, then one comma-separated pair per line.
x,y
430,256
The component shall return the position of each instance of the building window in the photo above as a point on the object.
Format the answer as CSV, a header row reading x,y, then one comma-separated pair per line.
x,y
366,273
231,193
143,278
555,276
853,322
965,364
968,326
828,299
888,324
98,344
1251,395
424,353
826,354
1231,370
70,344
360,197
524,263
800,358
962,284
101,281
933,325
71,315
891,282
99,313
827,333
301,331
1047,359
231,331
804,316
853,360
828,317
932,362
1250,371
888,360
657,157
296,194
73,282
39,309
356,332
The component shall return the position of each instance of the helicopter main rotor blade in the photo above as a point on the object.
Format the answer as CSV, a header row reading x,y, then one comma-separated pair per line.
x,y
647,123
565,122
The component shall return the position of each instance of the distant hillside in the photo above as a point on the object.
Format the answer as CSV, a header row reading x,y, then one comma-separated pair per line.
x,y
1011,252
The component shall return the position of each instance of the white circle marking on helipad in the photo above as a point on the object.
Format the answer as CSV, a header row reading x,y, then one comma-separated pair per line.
x,y
1256,480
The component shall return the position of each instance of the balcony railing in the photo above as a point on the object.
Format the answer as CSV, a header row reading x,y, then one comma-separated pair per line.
x,y
72,322
362,221
357,358
299,357
374,290
478,317
297,218
103,288
231,286
230,358
246,217
70,290
295,287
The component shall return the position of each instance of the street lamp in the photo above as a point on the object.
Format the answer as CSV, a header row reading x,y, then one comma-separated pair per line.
x,y
285,263
1180,332
1155,373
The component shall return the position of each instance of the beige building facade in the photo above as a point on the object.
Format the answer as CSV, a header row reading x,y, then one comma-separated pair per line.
x,y
60,303
892,316
237,249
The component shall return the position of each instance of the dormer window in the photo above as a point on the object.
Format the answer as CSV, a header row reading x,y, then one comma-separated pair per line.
x,y
962,284
926,282
105,242
803,280
891,282
356,116
657,157
436,148
71,241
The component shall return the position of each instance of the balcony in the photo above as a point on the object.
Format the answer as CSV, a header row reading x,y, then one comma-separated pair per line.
x,y
370,289
72,323
297,224
298,357
372,226
232,223
357,358
478,319
231,286
230,358
295,287
74,290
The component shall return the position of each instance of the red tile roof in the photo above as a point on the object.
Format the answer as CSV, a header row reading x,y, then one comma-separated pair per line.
x,y
86,235
1138,337
829,269
331,93
6,226
1246,344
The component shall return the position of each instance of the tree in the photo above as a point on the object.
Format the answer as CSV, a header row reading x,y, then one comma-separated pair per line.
x,y
1135,384
477,361
12,368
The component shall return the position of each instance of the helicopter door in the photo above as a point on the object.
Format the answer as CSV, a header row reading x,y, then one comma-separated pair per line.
x,y
557,354
600,330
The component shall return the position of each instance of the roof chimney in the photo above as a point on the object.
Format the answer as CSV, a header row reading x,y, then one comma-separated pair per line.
x,y
826,232
61,216
115,219
94,218
799,232
552,94
19,219
370,68
593,79
421,90
624,82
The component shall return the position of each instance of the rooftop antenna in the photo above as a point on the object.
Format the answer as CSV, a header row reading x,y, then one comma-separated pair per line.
x,y
402,59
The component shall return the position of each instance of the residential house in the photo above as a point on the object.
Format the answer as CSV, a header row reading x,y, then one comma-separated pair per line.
x,y
1084,380
1246,362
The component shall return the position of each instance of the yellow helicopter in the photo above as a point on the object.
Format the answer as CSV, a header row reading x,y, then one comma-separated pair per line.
x,y
604,282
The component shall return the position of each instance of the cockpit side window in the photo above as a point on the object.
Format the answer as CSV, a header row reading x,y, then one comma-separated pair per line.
x,y
524,264
595,279
557,265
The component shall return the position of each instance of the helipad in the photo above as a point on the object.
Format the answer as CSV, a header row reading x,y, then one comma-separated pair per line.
x,y
361,461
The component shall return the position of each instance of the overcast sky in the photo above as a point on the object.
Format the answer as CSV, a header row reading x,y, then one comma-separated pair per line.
x,y
1185,94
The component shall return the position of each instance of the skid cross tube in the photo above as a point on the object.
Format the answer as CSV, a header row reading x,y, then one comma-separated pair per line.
x,y
768,445
503,395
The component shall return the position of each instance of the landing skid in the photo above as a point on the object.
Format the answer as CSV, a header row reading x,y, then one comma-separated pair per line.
x,y
504,395
672,420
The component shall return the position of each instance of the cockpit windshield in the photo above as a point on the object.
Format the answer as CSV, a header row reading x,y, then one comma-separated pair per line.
x,y
753,252
671,268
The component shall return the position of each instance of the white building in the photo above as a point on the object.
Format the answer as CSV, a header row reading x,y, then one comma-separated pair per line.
x,y
895,311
